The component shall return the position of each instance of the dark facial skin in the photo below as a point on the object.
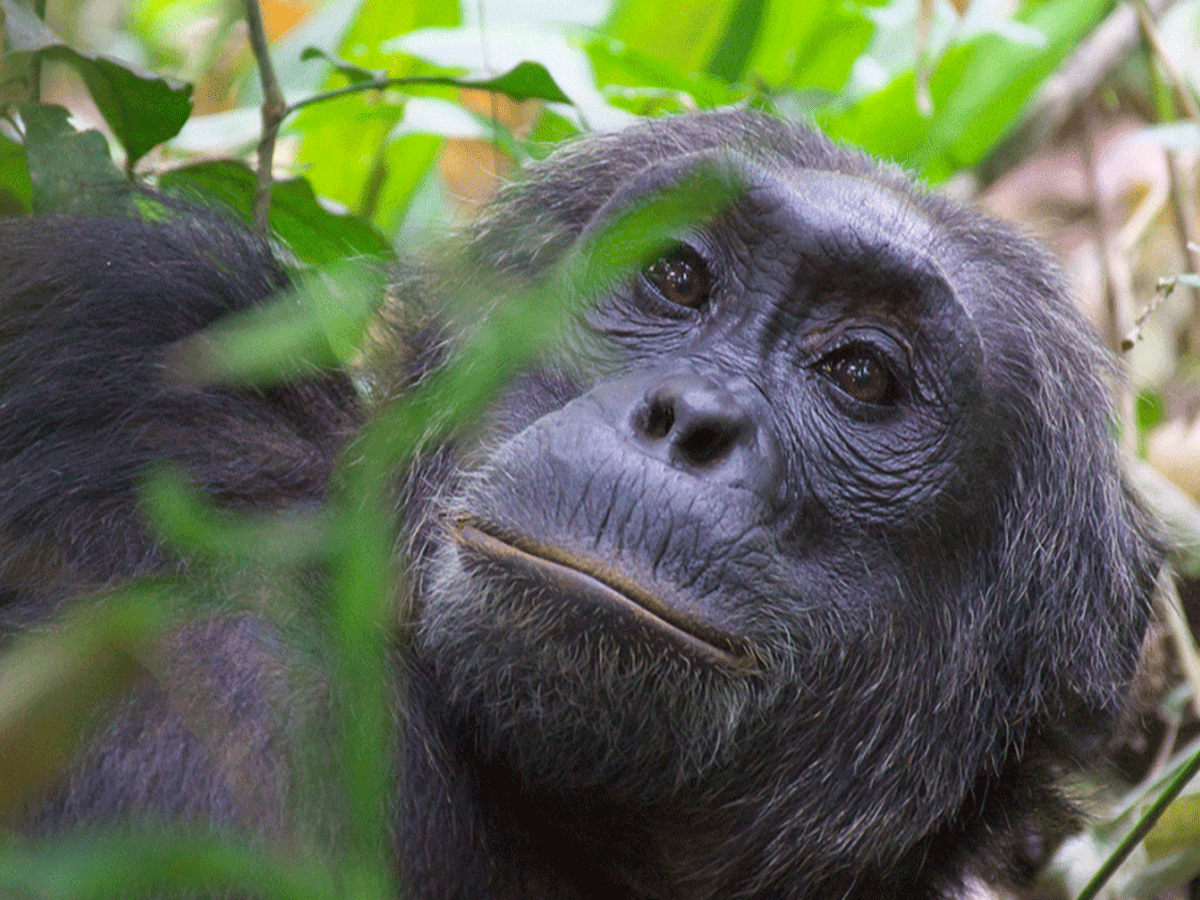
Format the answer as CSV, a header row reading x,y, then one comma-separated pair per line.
x,y
800,568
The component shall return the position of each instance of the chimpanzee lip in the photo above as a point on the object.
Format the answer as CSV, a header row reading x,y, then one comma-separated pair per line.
x,y
597,583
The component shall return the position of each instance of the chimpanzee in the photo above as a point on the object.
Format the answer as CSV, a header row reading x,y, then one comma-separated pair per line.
x,y
799,568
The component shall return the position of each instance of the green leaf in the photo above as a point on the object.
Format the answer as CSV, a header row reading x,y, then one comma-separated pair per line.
x,y
185,519
978,90
349,171
407,162
142,110
509,46
811,45
318,323
16,190
1150,409
618,65
354,74
732,53
685,35
999,79
67,168
120,862
313,233
524,81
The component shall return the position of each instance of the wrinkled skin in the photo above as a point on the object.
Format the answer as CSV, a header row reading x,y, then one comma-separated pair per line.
x,y
800,576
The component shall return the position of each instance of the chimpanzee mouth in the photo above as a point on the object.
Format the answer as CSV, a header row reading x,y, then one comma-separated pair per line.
x,y
597,583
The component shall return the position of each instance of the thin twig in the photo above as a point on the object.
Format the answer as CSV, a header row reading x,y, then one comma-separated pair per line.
x,y
274,109
374,84
1183,201
1165,287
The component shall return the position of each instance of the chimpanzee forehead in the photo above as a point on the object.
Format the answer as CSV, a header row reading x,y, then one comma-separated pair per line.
x,y
840,218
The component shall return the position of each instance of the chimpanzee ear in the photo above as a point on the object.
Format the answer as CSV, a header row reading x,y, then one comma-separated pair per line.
x,y
88,309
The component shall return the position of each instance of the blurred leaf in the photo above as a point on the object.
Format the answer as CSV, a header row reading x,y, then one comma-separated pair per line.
x,y
682,34
407,162
519,327
509,46
999,79
52,683
318,323
810,45
733,50
1150,409
161,862
313,233
524,81
617,64
189,523
66,167
16,190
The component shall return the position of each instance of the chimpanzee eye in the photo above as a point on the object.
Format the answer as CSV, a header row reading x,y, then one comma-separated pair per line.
x,y
858,371
681,276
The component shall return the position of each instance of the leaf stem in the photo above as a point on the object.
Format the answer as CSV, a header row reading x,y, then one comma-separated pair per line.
x,y
1142,828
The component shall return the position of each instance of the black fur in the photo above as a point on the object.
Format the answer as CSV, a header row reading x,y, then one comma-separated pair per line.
x,y
867,633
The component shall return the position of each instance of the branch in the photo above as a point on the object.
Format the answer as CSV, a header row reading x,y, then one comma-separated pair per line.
x,y
274,109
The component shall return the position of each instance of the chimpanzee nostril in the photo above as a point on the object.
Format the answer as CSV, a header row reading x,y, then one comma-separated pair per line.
x,y
700,421
706,443
657,418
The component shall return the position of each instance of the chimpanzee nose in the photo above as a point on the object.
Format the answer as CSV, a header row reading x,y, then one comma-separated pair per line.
x,y
700,422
